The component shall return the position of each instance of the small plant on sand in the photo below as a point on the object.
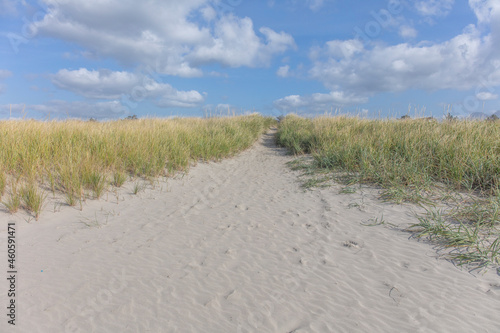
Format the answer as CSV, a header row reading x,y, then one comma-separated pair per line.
x,y
96,182
485,210
33,199
347,190
376,221
119,178
468,243
138,187
71,198
14,201
70,184
94,223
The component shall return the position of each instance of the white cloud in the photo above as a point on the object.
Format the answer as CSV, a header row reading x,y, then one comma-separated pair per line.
x,y
209,13
283,71
315,4
235,44
105,84
434,7
162,34
171,97
317,102
486,96
406,31
460,63
102,84
290,103
485,10
354,72
343,49
338,98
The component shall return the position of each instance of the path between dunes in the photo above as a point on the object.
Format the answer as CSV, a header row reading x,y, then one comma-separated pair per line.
x,y
238,246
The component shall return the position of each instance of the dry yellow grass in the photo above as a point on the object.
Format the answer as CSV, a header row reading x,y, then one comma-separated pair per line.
x,y
461,154
79,158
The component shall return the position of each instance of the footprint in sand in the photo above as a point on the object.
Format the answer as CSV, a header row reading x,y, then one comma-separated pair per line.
x,y
350,244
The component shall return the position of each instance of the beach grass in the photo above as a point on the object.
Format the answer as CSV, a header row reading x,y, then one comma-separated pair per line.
x,y
81,159
13,202
33,199
393,153
119,178
2,184
412,160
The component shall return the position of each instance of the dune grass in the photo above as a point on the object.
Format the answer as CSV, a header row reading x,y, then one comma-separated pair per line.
x,y
33,199
412,160
2,183
119,178
80,159
460,154
13,202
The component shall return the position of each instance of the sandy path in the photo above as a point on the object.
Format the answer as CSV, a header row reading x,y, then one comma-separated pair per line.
x,y
238,246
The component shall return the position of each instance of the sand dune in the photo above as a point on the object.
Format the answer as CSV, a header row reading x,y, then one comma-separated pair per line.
x,y
239,246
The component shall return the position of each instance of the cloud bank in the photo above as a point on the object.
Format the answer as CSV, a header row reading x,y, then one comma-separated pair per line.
x,y
106,84
354,71
170,37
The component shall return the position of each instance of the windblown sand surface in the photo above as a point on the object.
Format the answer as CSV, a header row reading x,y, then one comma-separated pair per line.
x,y
238,246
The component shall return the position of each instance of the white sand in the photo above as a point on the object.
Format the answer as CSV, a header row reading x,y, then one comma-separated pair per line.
x,y
238,246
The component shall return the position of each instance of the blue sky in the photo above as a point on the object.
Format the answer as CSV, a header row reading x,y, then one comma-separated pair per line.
x,y
109,59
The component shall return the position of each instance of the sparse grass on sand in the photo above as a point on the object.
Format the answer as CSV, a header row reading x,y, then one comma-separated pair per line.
x,y
33,199
80,159
415,161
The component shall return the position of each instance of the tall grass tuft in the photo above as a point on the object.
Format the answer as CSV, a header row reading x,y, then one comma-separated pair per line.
x,y
14,201
119,178
95,181
33,199
138,187
70,183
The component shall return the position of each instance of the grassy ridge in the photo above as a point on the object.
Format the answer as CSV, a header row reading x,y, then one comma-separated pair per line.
x,y
464,155
410,159
77,158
